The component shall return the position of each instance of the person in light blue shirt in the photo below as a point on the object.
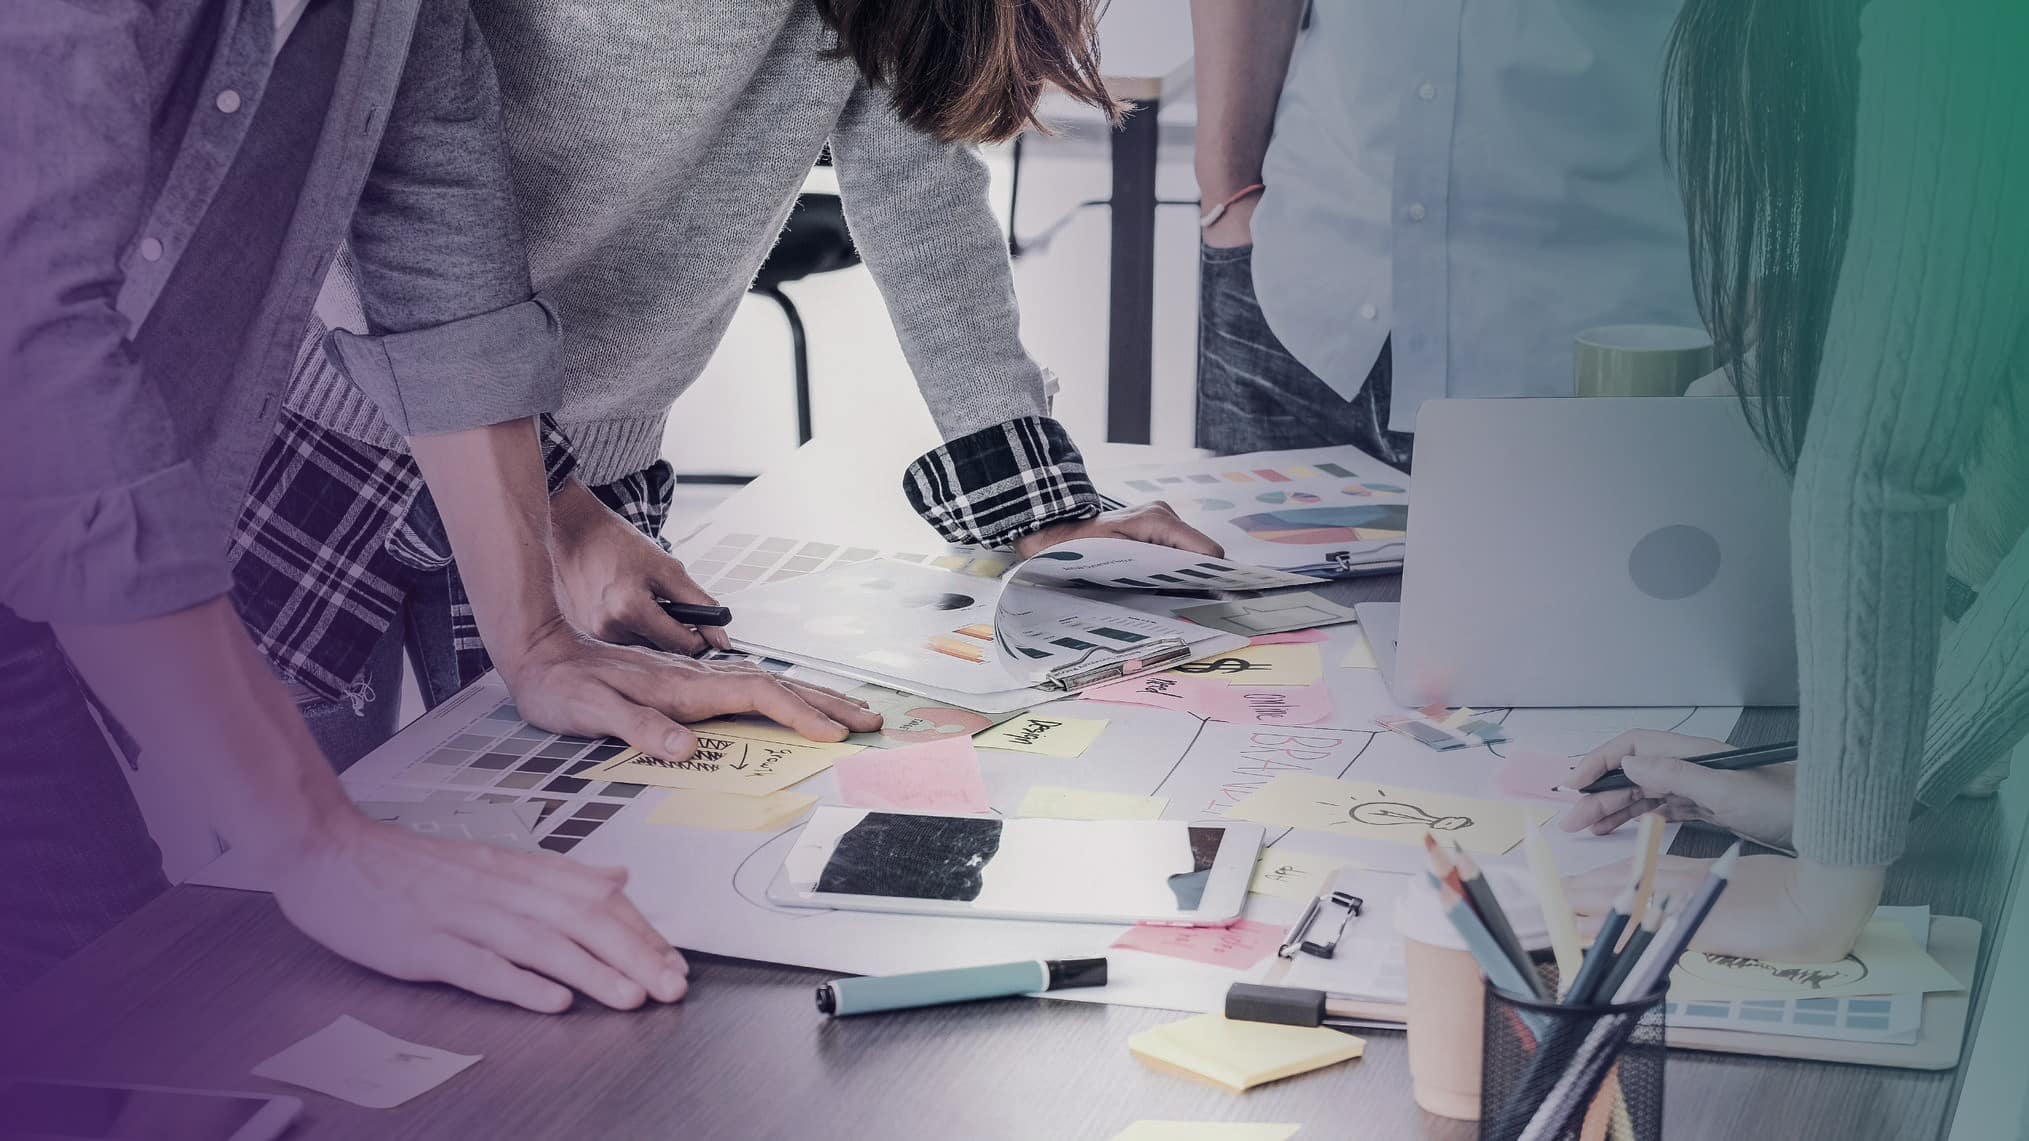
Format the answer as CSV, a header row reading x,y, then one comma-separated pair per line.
x,y
1413,200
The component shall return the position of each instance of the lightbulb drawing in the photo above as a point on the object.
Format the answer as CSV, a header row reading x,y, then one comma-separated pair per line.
x,y
1394,812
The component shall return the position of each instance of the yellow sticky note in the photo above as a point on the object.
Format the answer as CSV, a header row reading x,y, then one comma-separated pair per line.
x,y
1359,656
1241,1055
1078,804
1046,736
1886,959
1282,664
1400,815
729,811
1299,876
1205,1131
750,766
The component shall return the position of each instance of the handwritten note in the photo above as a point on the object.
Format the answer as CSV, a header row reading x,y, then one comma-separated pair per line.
x,y
1397,815
1886,960
1528,775
1292,875
729,811
1206,1131
1044,736
351,1060
1240,946
1078,804
1260,665
936,776
1240,1055
1155,691
747,766
1266,705
1359,656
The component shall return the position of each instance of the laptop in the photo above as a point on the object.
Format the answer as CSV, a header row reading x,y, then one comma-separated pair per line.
x,y
1591,552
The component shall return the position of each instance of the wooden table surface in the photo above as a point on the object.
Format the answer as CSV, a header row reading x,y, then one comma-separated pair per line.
x,y
205,983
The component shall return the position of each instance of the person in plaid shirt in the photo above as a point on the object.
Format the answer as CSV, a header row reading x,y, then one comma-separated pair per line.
x,y
340,559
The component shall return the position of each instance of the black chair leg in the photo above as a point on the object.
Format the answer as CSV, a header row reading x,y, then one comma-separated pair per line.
x,y
800,350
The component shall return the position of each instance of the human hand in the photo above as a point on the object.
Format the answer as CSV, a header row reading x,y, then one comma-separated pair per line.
x,y
1235,227
1149,523
1759,804
1779,908
567,682
525,928
609,576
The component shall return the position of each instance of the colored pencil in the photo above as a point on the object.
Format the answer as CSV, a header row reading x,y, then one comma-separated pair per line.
x,y
1491,913
1599,960
1649,841
1556,910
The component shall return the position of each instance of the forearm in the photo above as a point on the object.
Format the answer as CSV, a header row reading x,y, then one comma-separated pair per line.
x,y
205,706
1242,50
489,488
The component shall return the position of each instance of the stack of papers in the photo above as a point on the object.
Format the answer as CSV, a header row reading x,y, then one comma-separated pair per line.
x,y
1241,1055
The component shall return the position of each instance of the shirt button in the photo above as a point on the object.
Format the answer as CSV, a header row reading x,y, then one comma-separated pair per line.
x,y
1427,92
1369,312
228,101
1416,212
151,250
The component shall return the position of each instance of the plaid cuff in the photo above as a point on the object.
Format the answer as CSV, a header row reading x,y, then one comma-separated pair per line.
x,y
1001,483
558,460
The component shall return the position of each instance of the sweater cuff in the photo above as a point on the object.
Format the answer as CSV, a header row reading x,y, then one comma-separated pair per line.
x,y
489,369
998,484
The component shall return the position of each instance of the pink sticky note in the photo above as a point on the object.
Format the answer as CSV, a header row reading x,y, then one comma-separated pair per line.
x,y
937,776
1156,691
1290,638
1240,946
1269,705
1535,776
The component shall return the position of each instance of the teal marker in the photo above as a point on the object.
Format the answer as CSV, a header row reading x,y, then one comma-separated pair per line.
x,y
959,984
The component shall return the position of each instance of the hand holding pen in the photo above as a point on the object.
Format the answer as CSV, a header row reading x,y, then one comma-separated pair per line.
x,y
1749,792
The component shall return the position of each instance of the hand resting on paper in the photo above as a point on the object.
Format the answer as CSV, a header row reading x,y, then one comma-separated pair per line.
x,y
567,682
1775,907
518,927
1149,523
609,576
1756,804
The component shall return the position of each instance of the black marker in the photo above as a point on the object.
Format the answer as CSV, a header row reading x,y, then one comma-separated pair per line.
x,y
695,615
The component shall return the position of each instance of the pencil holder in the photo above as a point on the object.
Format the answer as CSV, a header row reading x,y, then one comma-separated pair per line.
x,y
1571,1073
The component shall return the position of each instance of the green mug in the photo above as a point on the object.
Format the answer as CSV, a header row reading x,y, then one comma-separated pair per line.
x,y
1640,360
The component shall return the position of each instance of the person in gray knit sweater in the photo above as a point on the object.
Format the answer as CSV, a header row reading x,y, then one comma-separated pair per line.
x,y
657,148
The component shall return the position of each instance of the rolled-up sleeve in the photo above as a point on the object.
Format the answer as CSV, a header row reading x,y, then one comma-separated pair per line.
x,y
101,510
456,339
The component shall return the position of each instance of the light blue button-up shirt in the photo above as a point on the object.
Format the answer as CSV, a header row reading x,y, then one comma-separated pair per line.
x,y
1482,179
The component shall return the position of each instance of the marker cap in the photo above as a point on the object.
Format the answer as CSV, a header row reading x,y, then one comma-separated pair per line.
x,y
1076,973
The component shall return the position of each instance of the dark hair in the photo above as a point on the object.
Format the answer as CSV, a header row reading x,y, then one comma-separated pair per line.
x,y
1759,100
972,71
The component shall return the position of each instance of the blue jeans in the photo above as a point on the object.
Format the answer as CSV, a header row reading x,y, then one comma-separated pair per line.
x,y
1253,396
75,855
350,729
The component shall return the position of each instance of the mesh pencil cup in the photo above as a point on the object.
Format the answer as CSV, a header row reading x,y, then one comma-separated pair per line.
x,y
1561,1073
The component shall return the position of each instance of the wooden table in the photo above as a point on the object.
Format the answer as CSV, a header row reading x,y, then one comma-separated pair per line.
x,y
205,983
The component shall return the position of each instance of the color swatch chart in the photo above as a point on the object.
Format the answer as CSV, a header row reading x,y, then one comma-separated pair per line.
x,y
1160,484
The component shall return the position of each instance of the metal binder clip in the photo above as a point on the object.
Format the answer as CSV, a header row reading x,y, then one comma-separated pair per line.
x,y
1343,560
1299,939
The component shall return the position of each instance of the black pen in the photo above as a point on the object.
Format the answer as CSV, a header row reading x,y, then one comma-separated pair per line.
x,y
695,615
1732,760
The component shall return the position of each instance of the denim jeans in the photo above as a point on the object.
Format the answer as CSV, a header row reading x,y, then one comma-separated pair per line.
x,y
349,729
75,855
1253,396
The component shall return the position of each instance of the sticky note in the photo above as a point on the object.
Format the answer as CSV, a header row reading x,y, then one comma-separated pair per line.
x,y
351,1060
729,811
935,776
1240,946
1078,804
1045,736
1260,665
1155,691
1886,960
1205,1131
1238,1056
1395,814
1528,775
1292,875
748,766
1268,705
1359,656
1270,614
1292,638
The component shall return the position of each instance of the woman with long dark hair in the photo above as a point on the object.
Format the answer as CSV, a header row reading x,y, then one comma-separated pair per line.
x,y
657,148
1857,185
